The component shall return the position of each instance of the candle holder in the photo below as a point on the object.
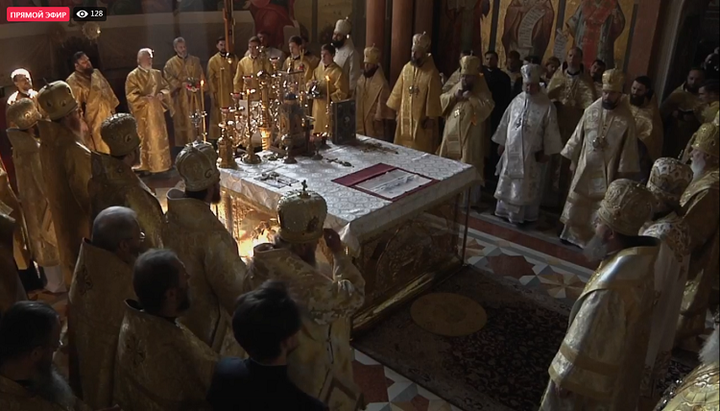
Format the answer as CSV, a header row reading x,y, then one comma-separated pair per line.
x,y
287,142
317,142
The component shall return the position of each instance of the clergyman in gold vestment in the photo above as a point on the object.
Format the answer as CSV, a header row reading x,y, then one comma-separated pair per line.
x,y
245,80
148,96
102,283
648,123
206,247
11,289
415,98
66,168
371,94
678,113
29,336
220,73
182,71
700,204
603,147
466,107
32,191
297,60
113,182
21,247
160,364
332,84
96,99
330,297
600,363
572,90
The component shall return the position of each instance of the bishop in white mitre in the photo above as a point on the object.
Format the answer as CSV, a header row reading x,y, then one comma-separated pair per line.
x,y
527,136
668,180
345,54
603,147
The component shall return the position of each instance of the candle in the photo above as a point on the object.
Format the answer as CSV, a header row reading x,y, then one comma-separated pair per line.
x,y
221,97
202,94
327,89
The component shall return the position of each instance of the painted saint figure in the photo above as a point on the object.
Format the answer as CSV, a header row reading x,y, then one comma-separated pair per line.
x,y
595,26
528,27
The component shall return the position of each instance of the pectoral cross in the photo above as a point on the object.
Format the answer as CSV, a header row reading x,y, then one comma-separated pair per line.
x,y
413,90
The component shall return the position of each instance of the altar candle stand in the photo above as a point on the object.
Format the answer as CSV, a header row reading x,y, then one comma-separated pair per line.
x,y
250,157
203,113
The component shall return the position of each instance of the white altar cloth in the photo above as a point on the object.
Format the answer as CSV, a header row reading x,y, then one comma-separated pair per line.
x,y
351,212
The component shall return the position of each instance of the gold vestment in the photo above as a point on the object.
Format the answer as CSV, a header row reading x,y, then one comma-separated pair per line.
x,y
11,289
603,147
678,131
329,303
32,95
700,203
113,183
371,96
415,98
649,127
177,71
601,359
96,101
451,81
249,66
101,284
161,365
571,95
15,397
465,130
337,88
33,198
141,88
699,390
301,63
706,113
220,73
66,169
218,277
21,247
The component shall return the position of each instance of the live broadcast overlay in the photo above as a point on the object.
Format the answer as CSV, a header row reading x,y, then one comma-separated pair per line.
x,y
34,14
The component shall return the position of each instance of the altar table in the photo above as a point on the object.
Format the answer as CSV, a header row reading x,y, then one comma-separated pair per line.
x,y
401,247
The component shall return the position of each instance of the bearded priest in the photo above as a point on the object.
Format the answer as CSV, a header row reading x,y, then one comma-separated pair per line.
x,y
668,180
179,71
603,147
599,365
371,95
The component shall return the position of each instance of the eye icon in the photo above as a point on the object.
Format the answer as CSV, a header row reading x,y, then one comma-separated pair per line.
x,y
81,14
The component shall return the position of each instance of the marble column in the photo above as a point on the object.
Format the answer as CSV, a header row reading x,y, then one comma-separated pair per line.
x,y
375,24
402,22
424,17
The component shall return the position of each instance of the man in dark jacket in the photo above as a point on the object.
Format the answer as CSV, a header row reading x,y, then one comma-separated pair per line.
x,y
499,84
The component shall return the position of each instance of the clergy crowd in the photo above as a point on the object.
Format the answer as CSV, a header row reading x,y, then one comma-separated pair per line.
x,y
163,313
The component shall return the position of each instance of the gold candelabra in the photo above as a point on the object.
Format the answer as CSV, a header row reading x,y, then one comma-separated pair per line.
x,y
196,89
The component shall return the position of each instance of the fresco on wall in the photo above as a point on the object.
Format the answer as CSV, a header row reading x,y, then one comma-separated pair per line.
x,y
460,29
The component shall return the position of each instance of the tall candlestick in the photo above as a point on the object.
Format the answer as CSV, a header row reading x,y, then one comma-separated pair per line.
x,y
221,97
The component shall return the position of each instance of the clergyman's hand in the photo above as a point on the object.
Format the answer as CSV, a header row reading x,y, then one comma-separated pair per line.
x,y
332,239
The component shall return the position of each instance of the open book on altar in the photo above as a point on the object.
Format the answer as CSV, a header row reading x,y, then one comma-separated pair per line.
x,y
385,181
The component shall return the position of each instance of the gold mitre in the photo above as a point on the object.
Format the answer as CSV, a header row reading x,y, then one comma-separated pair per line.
x,y
120,133
197,165
626,207
372,55
613,80
301,215
23,114
706,140
470,65
669,178
421,42
531,73
57,100
343,27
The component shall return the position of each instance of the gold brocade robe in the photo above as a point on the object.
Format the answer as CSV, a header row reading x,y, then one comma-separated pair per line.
x,y
452,81
465,128
249,66
141,86
415,98
220,73
15,397
96,101
66,169
218,277
301,63
699,391
33,198
571,95
706,113
601,359
101,284
600,159
371,97
177,71
113,183
161,365
329,302
649,127
700,203
336,88
679,131
11,289
21,247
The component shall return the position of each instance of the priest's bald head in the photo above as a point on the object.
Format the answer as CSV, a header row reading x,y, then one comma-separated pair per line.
x,y
145,58
116,229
